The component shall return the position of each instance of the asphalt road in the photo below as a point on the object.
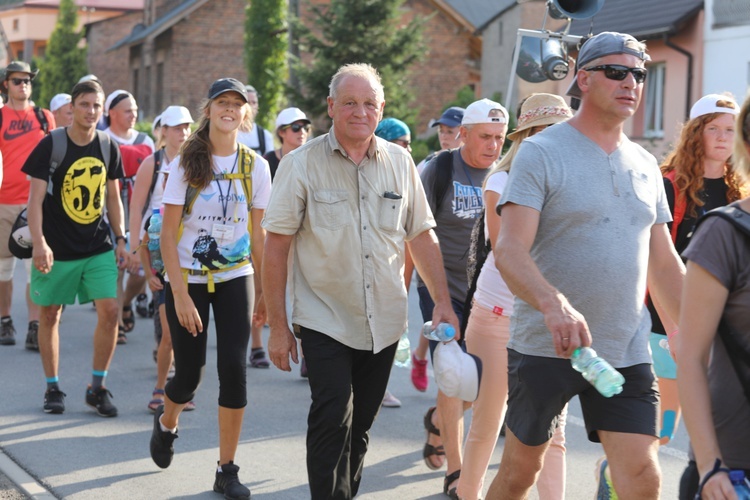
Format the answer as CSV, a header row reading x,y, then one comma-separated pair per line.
x,y
78,455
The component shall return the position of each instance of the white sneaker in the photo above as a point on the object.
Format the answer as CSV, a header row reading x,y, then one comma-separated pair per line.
x,y
390,401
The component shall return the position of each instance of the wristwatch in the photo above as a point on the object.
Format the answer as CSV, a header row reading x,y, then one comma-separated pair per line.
x,y
123,238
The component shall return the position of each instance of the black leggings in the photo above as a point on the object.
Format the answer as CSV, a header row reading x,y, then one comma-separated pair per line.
x,y
232,304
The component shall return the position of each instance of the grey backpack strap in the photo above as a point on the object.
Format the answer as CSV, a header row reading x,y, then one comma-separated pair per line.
x,y
140,138
59,148
105,144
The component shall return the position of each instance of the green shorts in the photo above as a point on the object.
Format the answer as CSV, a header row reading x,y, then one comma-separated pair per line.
x,y
91,278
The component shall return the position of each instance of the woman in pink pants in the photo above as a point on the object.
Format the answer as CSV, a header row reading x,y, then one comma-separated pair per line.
x,y
487,333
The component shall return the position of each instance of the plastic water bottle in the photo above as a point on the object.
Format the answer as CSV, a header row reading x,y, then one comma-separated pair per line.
x,y
740,483
442,333
597,371
154,235
403,352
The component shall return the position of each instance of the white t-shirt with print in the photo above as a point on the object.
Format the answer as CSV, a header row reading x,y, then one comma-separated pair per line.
x,y
215,233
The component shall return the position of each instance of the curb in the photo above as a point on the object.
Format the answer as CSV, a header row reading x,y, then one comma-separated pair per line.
x,y
25,483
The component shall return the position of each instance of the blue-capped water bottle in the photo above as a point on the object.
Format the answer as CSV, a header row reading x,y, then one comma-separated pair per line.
x,y
597,371
154,245
740,483
403,351
443,332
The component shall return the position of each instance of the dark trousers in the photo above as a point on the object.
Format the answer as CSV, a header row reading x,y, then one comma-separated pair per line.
x,y
232,303
347,387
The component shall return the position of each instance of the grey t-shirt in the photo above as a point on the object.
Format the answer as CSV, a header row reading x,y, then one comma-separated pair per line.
x,y
461,205
723,251
596,213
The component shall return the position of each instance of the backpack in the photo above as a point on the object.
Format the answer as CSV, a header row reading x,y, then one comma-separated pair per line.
x,y
261,150
443,177
154,177
59,149
680,205
738,354
245,174
40,117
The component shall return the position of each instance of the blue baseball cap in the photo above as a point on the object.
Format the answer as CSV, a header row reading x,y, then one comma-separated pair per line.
x,y
451,117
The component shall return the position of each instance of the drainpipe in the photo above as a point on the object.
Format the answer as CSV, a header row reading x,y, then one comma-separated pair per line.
x,y
689,56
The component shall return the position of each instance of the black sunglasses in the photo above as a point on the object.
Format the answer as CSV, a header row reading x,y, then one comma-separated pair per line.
x,y
296,127
19,81
619,72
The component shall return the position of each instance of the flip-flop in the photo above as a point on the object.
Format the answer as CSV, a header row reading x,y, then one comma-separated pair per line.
x,y
128,322
430,450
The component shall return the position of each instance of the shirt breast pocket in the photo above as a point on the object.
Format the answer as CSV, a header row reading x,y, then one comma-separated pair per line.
x,y
331,209
643,188
389,218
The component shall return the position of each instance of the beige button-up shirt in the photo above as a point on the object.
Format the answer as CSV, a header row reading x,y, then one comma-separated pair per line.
x,y
350,223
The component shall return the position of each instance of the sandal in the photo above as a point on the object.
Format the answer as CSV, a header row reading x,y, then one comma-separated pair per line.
x,y
156,401
258,358
430,450
121,337
128,320
450,479
189,406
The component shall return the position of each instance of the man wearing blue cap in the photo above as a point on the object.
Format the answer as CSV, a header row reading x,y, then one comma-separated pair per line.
x,y
584,226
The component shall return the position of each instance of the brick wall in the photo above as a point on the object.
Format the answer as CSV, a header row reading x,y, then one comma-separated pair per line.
x,y
111,67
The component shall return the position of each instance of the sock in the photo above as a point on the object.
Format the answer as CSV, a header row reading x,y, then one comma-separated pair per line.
x,y
5,319
98,378
253,350
52,383
166,429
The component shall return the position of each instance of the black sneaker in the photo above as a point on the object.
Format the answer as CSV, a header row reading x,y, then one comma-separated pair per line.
x,y
32,337
228,483
161,447
141,305
7,333
98,399
54,401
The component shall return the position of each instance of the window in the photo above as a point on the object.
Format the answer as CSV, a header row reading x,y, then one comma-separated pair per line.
x,y
500,33
731,13
159,86
654,113
15,25
135,82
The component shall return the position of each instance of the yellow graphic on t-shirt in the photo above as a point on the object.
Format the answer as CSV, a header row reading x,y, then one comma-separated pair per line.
x,y
83,190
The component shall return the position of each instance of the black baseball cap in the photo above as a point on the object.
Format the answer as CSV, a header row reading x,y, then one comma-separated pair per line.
x,y
223,85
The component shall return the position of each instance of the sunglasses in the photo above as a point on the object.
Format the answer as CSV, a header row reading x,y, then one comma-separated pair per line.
x,y
296,127
19,81
619,73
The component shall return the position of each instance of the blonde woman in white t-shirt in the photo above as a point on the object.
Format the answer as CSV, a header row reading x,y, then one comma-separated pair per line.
x,y
206,255
487,332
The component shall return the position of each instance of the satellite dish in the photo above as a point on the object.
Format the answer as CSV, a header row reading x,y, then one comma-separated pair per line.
x,y
541,59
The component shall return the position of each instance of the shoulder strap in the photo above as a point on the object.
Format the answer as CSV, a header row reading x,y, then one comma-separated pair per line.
x,y
443,177
680,205
42,119
59,148
140,138
261,139
154,176
105,145
738,217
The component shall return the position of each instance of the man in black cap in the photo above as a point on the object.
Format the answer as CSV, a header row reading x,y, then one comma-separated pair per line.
x,y
585,181
22,127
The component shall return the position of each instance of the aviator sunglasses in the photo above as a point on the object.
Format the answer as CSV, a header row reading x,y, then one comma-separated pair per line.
x,y
619,72
296,127
19,81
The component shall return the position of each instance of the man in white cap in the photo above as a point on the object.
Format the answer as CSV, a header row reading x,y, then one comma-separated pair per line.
x,y
584,225
256,138
453,185
62,110
22,126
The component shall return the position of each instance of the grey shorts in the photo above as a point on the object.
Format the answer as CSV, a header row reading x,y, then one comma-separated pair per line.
x,y
539,388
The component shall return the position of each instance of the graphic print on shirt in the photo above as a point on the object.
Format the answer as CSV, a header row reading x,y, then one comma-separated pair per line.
x,y
83,190
467,201
18,127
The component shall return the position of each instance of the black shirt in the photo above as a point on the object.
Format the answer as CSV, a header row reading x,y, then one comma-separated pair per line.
x,y
273,162
73,215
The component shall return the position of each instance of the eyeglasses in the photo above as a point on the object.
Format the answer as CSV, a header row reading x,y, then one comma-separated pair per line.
x,y
19,81
296,127
619,73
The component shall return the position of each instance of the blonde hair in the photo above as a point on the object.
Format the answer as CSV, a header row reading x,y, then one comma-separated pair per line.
x,y
741,155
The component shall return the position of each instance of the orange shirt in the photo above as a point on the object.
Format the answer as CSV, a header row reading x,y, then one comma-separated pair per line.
x,y
19,135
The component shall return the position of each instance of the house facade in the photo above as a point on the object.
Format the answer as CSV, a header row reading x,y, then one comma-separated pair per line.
x,y
26,25
727,28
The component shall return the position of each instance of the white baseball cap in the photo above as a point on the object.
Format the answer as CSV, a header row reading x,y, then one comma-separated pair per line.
x,y
458,374
175,115
479,112
59,101
708,104
290,115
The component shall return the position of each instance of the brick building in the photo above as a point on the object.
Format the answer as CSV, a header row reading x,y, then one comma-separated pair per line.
x,y
179,47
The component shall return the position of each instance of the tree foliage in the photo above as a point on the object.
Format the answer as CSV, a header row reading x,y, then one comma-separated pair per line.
x,y
359,31
64,61
266,44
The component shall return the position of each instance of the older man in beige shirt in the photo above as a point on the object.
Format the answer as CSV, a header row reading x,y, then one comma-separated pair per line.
x,y
347,203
